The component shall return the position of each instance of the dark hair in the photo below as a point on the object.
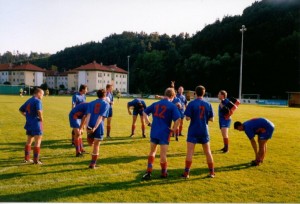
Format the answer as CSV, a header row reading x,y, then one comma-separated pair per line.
x,y
223,93
108,86
237,124
82,87
101,93
200,90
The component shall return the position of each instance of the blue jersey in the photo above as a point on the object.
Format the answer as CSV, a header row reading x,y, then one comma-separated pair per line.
x,y
163,112
31,108
79,111
259,126
98,108
182,98
200,112
77,98
138,105
181,109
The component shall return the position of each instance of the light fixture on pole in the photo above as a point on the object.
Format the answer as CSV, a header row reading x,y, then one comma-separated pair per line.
x,y
128,73
243,29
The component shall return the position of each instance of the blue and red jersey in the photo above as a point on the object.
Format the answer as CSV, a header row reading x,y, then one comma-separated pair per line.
x,y
200,112
258,126
138,105
31,108
79,111
182,98
77,98
97,108
181,109
163,113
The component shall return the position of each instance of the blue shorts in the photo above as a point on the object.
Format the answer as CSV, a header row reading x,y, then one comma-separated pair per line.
x,y
110,112
266,135
137,113
34,130
98,134
200,140
74,123
161,141
224,123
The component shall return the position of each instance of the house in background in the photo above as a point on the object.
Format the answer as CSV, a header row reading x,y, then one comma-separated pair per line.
x,y
56,80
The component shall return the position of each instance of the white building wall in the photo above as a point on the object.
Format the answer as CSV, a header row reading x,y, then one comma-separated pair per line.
x,y
82,78
38,78
3,77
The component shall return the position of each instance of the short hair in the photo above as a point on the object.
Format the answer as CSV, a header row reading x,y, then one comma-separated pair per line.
x,y
170,92
37,90
200,90
108,86
101,93
237,124
82,87
223,93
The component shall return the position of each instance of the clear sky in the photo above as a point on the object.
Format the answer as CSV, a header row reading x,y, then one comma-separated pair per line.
x,y
51,25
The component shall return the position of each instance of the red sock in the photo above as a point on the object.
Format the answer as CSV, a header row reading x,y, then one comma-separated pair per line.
x,y
108,130
94,160
77,145
27,152
188,165
132,129
150,163
211,168
226,142
177,132
164,168
36,153
143,129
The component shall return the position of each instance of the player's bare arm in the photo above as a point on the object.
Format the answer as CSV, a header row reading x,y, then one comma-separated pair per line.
x,y
176,124
128,109
99,120
40,114
87,121
23,113
146,119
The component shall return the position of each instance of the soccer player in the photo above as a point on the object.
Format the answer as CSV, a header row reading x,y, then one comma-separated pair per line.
x,y
176,101
199,112
184,103
77,118
97,111
110,100
78,98
261,127
163,113
33,112
224,122
138,107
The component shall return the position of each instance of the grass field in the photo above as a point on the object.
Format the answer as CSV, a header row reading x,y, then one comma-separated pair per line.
x,y
123,160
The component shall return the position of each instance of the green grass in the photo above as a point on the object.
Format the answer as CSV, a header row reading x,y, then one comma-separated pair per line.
x,y
65,178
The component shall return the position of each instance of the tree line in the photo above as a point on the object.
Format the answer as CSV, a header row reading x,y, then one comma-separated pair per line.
x,y
210,57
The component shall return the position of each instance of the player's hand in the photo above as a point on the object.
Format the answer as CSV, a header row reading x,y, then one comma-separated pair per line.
x,y
129,112
178,105
157,96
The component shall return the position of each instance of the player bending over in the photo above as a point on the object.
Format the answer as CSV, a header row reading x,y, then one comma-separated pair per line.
x,y
97,111
163,113
33,112
199,112
261,127
138,107
77,118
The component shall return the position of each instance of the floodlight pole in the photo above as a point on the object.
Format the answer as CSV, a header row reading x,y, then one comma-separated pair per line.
x,y
242,30
128,57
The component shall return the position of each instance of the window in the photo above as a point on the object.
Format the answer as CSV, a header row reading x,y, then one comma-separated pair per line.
x,y
33,80
13,73
108,82
116,75
116,82
99,74
107,74
104,74
87,73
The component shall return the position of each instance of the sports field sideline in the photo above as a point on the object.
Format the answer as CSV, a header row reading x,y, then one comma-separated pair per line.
x,y
123,160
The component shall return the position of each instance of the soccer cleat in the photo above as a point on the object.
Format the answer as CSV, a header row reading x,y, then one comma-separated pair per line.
x,y
225,150
255,163
92,167
164,175
27,161
176,138
84,152
147,176
144,136
79,154
180,134
108,137
38,162
131,135
211,175
185,176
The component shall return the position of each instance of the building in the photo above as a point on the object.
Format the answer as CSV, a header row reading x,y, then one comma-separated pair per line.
x,y
27,74
72,79
97,76
56,80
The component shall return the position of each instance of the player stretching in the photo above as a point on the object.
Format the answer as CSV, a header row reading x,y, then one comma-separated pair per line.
x,y
78,98
97,111
199,112
163,112
110,100
32,110
264,129
184,103
138,108
224,122
77,120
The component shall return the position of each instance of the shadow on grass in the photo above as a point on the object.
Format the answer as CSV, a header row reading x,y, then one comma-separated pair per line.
x,y
234,167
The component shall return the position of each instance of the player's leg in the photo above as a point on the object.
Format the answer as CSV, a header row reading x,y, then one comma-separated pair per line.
x,y
262,148
177,131
163,160
77,142
143,125
95,153
37,148
181,127
28,149
81,143
72,136
209,159
108,127
224,131
134,117
190,147
151,156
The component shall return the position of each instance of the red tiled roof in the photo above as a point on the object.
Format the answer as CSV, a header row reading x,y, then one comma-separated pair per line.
x,y
94,66
6,67
28,67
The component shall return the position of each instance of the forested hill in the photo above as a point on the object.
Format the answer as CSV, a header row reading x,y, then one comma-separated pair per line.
x,y
210,57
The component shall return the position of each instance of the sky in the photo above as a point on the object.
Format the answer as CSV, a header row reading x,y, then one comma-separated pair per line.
x,y
49,26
